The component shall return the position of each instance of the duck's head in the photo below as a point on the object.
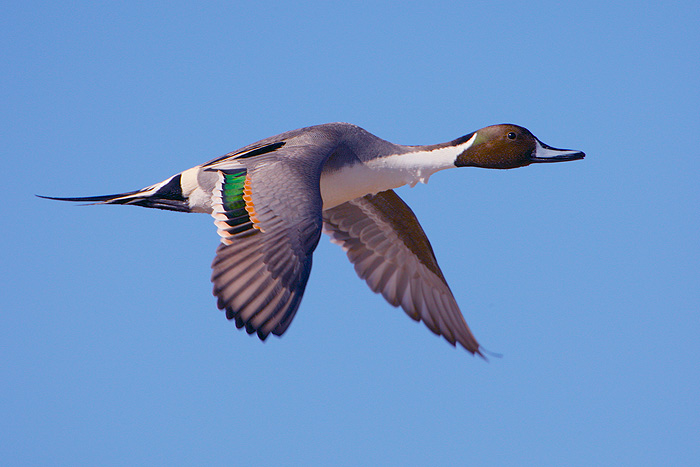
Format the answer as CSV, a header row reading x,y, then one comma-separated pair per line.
x,y
509,146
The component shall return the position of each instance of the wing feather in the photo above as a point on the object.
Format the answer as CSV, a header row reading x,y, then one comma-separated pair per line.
x,y
268,214
391,252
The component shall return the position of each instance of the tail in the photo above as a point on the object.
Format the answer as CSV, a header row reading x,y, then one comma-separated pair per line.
x,y
164,195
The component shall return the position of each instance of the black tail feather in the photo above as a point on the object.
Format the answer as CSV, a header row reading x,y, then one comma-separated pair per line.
x,y
107,199
132,198
166,195
159,203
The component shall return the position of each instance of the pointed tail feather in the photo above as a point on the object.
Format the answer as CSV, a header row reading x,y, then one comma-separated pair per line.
x,y
166,195
104,199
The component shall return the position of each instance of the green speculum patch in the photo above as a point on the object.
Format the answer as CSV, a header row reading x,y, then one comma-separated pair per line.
x,y
232,200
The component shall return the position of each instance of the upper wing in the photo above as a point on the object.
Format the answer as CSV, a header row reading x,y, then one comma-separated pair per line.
x,y
267,207
390,251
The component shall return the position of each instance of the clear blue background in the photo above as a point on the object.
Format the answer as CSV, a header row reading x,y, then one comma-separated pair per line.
x,y
585,275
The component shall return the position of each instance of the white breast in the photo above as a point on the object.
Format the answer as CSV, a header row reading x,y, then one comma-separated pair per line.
x,y
385,173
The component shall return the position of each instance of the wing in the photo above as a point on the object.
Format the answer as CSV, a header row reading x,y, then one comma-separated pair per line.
x,y
267,208
390,251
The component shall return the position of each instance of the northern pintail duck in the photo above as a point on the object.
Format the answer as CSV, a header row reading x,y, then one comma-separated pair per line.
x,y
271,200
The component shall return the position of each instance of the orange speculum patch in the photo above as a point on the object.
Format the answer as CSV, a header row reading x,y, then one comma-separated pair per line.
x,y
249,206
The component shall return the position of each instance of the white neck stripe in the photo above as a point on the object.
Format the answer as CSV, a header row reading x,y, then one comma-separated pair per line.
x,y
387,172
422,164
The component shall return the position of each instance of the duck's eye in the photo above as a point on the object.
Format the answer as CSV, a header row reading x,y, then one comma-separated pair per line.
x,y
511,135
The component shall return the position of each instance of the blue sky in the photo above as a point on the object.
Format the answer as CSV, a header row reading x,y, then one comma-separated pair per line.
x,y
584,275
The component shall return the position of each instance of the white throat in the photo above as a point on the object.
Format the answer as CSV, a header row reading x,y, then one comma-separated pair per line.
x,y
387,172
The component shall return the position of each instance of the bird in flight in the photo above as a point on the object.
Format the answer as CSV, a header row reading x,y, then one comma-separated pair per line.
x,y
272,199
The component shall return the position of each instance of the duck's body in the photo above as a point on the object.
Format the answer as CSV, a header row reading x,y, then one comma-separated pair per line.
x,y
272,199
350,167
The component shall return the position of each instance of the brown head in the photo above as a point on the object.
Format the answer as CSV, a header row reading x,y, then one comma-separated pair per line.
x,y
509,146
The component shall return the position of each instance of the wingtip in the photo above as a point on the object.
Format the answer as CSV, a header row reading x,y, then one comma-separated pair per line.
x,y
481,351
